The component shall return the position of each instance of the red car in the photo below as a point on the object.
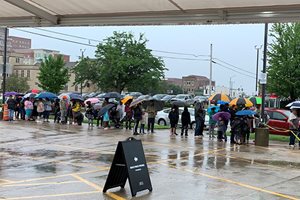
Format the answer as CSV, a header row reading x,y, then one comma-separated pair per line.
x,y
278,120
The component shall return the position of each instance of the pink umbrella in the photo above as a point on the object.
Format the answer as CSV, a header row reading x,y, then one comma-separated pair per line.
x,y
92,100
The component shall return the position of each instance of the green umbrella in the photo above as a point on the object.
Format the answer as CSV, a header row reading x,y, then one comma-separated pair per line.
x,y
256,100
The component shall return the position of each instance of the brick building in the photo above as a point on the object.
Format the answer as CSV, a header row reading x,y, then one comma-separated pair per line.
x,y
192,84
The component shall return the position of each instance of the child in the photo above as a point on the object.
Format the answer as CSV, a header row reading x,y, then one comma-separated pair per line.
x,y
105,120
89,113
220,124
143,121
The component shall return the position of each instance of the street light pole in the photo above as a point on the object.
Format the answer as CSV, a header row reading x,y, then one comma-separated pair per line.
x,y
210,71
263,84
4,64
82,56
257,47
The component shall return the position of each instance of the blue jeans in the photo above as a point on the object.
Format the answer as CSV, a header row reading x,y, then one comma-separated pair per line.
x,y
11,114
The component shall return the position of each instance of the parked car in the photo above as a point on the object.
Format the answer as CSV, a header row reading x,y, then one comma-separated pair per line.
x,y
159,96
167,98
186,98
162,117
144,97
279,120
200,99
135,94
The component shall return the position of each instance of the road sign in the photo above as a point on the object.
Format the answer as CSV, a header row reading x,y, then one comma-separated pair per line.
x,y
129,162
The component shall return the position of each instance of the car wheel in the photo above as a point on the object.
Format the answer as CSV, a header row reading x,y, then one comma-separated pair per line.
x,y
193,125
162,122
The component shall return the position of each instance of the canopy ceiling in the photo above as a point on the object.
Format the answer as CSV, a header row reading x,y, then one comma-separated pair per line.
x,y
31,13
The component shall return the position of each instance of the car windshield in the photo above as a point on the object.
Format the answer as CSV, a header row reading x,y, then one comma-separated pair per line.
x,y
287,112
181,96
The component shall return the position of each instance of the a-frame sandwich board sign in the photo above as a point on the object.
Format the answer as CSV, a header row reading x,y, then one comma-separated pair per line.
x,y
129,163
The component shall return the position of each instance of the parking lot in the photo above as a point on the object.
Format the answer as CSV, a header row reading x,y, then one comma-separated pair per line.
x,y
52,161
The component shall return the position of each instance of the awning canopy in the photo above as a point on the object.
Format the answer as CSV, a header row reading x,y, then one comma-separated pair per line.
x,y
32,13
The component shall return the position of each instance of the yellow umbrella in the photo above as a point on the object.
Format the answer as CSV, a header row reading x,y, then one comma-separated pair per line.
x,y
240,101
125,99
219,97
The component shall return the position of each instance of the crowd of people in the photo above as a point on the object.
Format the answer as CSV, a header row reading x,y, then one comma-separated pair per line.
x,y
139,117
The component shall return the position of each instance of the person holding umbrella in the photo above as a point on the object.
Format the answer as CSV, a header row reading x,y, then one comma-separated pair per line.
x,y
28,105
293,125
128,116
151,116
56,111
200,119
11,103
48,109
89,113
40,109
211,122
63,105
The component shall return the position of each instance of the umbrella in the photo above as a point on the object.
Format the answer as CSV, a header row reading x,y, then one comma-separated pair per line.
x,y
112,95
294,103
64,94
217,108
256,100
44,95
35,91
136,102
223,115
126,99
179,103
29,95
240,101
105,109
219,97
76,97
97,106
7,94
92,100
245,112
158,105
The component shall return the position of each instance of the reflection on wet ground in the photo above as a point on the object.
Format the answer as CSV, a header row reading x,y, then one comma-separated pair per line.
x,y
51,161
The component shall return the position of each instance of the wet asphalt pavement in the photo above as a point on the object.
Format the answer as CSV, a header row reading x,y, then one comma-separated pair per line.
x,y
52,161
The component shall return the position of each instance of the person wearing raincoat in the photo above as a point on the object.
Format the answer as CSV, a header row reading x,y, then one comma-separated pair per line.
x,y
174,117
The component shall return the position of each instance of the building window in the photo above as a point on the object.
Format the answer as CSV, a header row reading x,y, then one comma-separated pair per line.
x,y
17,60
17,73
76,88
22,73
28,73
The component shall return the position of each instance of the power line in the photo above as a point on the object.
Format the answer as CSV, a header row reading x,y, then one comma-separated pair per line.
x,y
89,39
234,66
177,58
234,70
68,35
65,40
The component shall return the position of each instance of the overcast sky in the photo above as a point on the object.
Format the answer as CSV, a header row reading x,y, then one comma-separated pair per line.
x,y
233,44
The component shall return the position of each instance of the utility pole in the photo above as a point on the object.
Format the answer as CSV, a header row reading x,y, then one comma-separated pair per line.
x,y
4,64
230,86
263,83
257,47
210,71
82,56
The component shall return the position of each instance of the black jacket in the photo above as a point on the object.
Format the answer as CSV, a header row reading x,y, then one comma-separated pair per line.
x,y
174,116
11,103
137,113
185,118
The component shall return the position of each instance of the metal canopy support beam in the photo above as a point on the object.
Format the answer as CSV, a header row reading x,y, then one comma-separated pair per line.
x,y
34,10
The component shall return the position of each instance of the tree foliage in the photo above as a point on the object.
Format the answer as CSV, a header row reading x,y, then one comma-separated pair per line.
x,y
17,84
53,74
85,71
284,60
125,62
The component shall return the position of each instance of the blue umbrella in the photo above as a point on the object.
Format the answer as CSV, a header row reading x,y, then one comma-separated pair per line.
x,y
44,95
105,109
217,108
112,95
76,97
222,102
245,112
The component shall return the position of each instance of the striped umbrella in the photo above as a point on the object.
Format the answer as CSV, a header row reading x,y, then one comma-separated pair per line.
x,y
255,100
240,101
219,97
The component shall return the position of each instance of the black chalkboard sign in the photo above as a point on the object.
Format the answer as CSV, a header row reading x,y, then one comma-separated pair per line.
x,y
129,162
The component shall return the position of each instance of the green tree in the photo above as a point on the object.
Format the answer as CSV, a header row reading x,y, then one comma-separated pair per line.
x,y
53,74
84,72
125,62
284,60
167,88
17,84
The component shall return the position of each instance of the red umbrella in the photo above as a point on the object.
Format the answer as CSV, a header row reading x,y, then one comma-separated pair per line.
x,y
35,91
